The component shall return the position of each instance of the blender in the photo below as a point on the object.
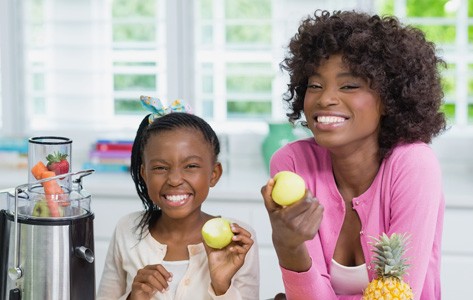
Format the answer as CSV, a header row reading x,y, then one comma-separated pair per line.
x,y
46,229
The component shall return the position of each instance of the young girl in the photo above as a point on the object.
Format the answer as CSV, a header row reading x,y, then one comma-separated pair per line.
x,y
158,253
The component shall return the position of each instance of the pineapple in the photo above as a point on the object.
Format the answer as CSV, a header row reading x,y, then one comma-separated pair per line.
x,y
390,266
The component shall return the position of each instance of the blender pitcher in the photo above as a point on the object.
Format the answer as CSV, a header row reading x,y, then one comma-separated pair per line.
x,y
47,249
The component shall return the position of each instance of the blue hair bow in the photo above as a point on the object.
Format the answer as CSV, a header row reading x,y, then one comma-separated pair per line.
x,y
158,109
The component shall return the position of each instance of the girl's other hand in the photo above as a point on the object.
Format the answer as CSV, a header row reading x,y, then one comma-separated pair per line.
x,y
148,281
225,262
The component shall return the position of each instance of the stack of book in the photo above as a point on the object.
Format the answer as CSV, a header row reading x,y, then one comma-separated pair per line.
x,y
110,156
13,152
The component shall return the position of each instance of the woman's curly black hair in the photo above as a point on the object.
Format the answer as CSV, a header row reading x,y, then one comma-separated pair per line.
x,y
171,121
397,60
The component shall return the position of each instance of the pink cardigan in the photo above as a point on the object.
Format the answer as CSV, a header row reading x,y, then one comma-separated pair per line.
x,y
405,197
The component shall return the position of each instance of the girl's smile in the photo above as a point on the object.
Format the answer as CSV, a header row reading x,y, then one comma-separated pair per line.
x,y
179,169
177,200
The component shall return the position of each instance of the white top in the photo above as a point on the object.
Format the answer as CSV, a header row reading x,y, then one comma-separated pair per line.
x,y
178,269
127,253
348,280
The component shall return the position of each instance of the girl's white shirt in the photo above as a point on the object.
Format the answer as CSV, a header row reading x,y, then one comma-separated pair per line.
x,y
178,269
128,253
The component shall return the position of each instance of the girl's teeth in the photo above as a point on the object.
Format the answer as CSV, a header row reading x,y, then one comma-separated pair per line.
x,y
176,198
329,119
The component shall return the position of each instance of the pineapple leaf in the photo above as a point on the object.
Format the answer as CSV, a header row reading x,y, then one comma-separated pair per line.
x,y
388,252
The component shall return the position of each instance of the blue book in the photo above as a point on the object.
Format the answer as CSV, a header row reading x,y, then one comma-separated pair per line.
x,y
106,168
19,145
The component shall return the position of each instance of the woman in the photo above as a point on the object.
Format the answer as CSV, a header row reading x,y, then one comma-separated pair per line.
x,y
369,90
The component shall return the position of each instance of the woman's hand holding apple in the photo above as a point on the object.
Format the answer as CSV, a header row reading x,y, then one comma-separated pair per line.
x,y
292,225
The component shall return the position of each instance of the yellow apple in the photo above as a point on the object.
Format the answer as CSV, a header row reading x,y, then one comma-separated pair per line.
x,y
288,188
217,233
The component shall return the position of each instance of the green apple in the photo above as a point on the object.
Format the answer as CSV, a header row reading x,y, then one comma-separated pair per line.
x,y
41,209
288,188
217,233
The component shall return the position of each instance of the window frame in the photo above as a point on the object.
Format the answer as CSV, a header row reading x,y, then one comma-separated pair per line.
x,y
13,118
183,76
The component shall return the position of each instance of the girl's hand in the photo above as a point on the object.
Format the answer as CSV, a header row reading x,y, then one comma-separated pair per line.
x,y
148,281
292,226
224,263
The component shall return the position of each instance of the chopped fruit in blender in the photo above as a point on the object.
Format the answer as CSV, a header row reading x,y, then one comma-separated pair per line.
x,y
51,188
57,162
38,169
41,209
53,208
53,192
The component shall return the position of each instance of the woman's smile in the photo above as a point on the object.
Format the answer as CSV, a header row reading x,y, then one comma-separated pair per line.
x,y
329,122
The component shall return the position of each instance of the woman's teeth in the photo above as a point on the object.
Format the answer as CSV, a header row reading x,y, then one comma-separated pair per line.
x,y
176,198
329,119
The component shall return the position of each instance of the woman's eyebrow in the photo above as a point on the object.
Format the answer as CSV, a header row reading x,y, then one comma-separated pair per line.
x,y
345,74
339,75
